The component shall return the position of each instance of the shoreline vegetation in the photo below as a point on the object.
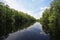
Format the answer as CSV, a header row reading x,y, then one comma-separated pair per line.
x,y
12,20
50,20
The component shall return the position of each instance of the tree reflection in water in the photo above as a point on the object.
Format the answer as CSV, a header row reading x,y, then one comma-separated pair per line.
x,y
33,32
13,28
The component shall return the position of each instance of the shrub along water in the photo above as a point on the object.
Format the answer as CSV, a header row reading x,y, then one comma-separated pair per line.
x,y
12,20
51,20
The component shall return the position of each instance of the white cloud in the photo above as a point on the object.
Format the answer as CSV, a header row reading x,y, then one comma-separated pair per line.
x,y
36,15
19,7
33,0
12,3
0,0
38,0
42,10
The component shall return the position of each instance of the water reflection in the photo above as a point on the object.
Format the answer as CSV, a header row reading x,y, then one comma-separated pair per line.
x,y
33,32
5,30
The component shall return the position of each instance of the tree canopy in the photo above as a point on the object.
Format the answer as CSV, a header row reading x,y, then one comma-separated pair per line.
x,y
12,20
51,20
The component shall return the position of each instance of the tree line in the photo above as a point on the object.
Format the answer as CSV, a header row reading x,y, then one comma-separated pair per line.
x,y
11,19
50,20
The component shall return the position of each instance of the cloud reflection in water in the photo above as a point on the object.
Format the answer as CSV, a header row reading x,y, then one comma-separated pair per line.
x,y
34,32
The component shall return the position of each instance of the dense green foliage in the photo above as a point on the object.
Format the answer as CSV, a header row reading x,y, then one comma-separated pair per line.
x,y
51,20
12,20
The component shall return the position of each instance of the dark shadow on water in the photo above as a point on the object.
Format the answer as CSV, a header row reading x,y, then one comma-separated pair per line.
x,y
9,28
33,32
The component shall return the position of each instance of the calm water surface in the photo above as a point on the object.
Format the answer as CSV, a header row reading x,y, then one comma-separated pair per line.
x,y
33,32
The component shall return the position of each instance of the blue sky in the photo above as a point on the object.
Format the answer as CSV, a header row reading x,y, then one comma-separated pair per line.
x,y
34,8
